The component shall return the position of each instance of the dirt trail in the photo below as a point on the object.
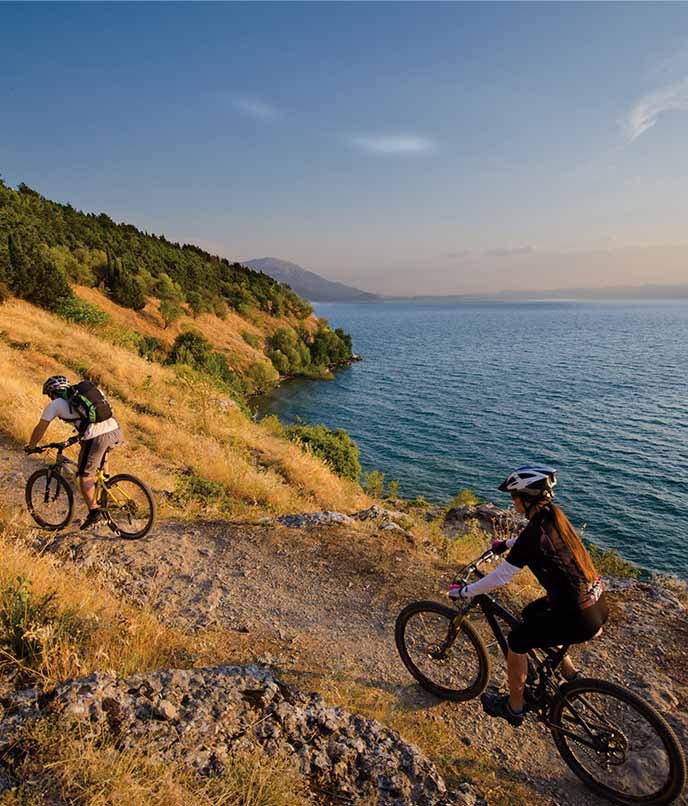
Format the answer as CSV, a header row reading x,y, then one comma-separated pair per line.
x,y
321,603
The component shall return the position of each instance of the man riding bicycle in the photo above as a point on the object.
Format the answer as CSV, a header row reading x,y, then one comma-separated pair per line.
x,y
573,610
86,408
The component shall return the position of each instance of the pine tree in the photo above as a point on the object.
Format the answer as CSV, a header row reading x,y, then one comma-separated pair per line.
x,y
50,287
19,279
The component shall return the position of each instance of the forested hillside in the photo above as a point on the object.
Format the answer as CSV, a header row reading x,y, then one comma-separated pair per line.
x,y
49,249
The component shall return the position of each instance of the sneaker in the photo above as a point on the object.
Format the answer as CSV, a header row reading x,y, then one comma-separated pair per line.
x,y
495,704
94,516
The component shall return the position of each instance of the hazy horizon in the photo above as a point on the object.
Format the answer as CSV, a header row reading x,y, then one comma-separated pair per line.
x,y
414,148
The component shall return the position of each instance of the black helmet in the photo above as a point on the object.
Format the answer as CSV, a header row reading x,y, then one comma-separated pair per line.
x,y
55,384
531,480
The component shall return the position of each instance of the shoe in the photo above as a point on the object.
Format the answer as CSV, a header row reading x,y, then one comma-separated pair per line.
x,y
495,704
577,676
94,516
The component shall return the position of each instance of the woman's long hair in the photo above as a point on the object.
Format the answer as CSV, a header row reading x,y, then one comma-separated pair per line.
x,y
567,535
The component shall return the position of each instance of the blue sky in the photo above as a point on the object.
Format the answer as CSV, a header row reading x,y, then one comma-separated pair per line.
x,y
404,147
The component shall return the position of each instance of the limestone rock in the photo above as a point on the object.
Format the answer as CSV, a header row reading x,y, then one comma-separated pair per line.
x,y
314,519
198,717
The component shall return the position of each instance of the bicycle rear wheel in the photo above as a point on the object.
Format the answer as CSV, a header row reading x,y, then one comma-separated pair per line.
x,y
617,744
449,663
50,500
129,506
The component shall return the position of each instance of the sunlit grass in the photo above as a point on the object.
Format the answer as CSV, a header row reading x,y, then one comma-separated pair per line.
x,y
168,424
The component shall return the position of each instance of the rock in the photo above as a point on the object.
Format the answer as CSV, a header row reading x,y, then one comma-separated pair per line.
x,y
394,527
199,717
377,513
487,516
314,519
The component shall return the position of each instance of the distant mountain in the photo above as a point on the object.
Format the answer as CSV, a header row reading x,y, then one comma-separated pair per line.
x,y
611,293
308,284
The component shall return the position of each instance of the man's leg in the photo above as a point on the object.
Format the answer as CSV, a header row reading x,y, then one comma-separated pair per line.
x,y
92,452
517,672
88,490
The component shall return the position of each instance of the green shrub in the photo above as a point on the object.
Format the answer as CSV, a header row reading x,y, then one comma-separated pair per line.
x,y
193,349
392,489
190,487
464,498
31,626
253,339
335,448
170,311
152,349
262,376
288,352
374,483
610,563
77,310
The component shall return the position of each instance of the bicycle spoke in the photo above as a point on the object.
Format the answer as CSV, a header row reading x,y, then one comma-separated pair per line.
x,y
437,653
129,506
49,501
616,744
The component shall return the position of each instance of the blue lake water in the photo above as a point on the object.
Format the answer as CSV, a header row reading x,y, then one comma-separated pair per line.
x,y
455,396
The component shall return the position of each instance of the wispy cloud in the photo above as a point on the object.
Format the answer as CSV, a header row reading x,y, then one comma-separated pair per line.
x,y
500,251
393,144
254,108
646,112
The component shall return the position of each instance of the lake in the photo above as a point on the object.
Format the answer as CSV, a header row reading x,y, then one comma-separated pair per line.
x,y
455,396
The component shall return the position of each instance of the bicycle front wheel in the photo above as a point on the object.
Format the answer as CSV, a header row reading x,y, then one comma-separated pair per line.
x,y
50,500
449,662
129,506
617,744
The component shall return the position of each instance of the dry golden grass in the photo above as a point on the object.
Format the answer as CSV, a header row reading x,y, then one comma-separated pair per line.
x,y
169,424
82,767
71,624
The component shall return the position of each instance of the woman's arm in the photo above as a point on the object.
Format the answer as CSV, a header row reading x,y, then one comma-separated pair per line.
x,y
495,579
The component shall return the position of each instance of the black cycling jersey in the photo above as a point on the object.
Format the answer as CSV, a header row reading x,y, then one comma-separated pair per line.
x,y
540,548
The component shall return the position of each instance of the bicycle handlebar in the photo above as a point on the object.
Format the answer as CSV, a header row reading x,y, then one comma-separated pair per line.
x,y
54,445
474,567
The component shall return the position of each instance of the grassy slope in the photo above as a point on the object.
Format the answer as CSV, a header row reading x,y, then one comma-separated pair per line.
x,y
170,424
168,427
224,334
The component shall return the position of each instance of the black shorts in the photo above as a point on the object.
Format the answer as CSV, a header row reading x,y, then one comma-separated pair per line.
x,y
544,627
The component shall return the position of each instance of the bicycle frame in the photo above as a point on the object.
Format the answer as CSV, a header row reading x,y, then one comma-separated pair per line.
x,y
542,663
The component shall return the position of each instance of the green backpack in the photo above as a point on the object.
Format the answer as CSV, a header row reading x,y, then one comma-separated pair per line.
x,y
89,403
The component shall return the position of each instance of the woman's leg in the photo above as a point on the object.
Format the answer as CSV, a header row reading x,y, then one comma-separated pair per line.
x,y
517,672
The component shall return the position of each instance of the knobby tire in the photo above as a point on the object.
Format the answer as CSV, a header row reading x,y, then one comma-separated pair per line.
x,y
667,791
473,645
40,478
117,519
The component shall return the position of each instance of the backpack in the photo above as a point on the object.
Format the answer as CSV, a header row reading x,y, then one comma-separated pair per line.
x,y
89,403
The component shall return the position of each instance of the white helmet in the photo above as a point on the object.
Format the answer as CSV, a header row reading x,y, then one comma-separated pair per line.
x,y
531,480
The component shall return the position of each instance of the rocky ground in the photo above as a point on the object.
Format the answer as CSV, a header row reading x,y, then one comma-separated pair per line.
x,y
318,604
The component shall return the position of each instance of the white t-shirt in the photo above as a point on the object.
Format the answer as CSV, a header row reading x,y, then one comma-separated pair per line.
x,y
61,408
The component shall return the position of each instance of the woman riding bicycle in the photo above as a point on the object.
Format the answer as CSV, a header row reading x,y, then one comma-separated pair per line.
x,y
574,608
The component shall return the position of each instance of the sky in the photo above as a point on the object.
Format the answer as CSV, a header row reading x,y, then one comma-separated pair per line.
x,y
402,148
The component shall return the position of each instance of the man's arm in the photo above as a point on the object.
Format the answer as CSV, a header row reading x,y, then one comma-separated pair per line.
x,y
37,433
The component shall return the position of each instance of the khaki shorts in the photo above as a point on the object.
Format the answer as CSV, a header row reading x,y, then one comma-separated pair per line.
x,y
92,453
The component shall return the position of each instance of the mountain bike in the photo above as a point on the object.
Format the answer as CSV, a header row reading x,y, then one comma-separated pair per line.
x,y
126,502
613,740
